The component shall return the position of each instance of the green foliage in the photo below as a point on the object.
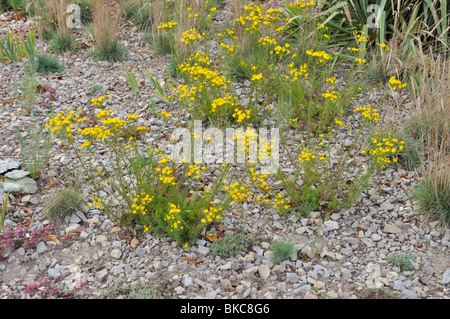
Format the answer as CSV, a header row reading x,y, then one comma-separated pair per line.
x,y
15,48
125,290
231,245
4,210
401,260
282,250
86,10
26,86
19,6
113,52
140,13
96,88
432,196
64,202
63,43
48,64
377,293
35,148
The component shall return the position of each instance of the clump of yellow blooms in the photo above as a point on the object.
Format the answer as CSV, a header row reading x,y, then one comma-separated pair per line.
x,y
241,115
165,114
331,95
368,113
280,202
211,214
396,84
384,148
100,102
190,36
322,56
97,201
302,4
239,192
256,16
140,204
169,25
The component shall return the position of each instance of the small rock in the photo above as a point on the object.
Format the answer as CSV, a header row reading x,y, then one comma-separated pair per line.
x,y
292,277
264,271
188,281
446,277
392,229
40,248
116,253
331,225
17,174
203,250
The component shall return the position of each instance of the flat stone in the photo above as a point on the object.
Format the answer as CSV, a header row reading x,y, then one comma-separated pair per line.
x,y
292,277
116,253
102,274
331,225
72,228
11,187
387,206
392,229
17,174
446,277
375,237
29,185
40,248
188,281
250,271
8,164
203,250
264,271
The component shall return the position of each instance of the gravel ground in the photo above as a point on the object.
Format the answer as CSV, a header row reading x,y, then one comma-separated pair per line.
x,y
336,258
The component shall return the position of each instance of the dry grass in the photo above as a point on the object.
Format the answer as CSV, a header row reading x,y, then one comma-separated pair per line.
x,y
431,125
106,21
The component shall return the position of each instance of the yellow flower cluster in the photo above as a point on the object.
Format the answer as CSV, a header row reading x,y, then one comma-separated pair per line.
x,y
256,16
196,170
62,122
396,84
211,214
368,113
166,175
302,71
321,55
306,156
168,25
260,179
361,37
281,50
204,76
267,40
98,102
97,202
383,46
172,215
140,203
241,115
165,114
331,95
257,77
190,36
230,48
383,147
239,192
281,202
228,101
302,4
